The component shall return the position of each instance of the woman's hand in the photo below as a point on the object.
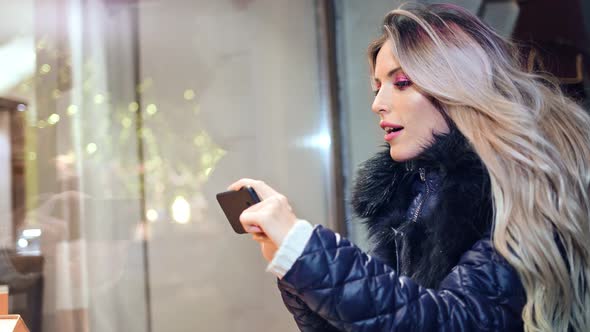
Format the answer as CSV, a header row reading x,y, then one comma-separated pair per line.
x,y
270,220
267,247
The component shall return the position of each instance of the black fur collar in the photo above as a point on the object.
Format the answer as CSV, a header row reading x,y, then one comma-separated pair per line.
x,y
457,213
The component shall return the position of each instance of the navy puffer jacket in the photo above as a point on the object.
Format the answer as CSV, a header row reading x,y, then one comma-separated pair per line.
x,y
433,266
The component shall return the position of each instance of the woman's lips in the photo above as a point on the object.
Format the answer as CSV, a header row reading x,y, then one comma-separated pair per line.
x,y
392,130
392,135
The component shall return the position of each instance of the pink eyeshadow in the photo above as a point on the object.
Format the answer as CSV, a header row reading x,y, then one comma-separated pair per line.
x,y
402,77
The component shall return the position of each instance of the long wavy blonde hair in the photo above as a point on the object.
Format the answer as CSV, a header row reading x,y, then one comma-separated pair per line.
x,y
533,140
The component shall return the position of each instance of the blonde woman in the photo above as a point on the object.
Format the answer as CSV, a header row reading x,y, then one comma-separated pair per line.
x,y
478,208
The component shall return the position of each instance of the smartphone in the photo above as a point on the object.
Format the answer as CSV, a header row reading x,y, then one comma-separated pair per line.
x,y
233,202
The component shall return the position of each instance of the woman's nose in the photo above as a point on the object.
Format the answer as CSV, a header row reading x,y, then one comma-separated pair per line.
x,y
379,104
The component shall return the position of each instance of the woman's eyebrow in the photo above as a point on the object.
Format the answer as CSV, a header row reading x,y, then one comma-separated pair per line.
x,y
391,72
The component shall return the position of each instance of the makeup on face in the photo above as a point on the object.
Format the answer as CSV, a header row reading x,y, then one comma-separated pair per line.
x,y
398,77
402,81
407,116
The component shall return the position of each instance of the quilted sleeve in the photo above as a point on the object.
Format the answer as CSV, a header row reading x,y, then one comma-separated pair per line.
x,y
306,319
354,292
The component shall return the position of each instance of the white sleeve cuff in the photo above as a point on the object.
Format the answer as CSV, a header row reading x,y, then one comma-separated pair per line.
x,y
291,248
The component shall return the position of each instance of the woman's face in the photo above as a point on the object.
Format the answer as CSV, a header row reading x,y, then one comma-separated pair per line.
x,y
402,107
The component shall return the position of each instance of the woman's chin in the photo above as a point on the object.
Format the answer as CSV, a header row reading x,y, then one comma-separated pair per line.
x,y
399,155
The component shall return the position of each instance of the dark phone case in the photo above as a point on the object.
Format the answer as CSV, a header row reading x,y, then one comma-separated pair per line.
x,y
234,202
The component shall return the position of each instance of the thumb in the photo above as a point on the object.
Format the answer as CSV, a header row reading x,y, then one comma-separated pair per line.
x,y
254,229
250,223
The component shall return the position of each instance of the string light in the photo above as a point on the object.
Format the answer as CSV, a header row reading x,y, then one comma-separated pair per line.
x,y
87,85
147,83
201,139
23,243
126,122
181,210
189,94
53,119
99,99
133,107
152,215
24,87
151,109
206,159
45,69
91,148
41,44
72,109
208,171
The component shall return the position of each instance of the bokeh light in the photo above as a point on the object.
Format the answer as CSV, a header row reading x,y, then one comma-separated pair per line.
x,y
181,210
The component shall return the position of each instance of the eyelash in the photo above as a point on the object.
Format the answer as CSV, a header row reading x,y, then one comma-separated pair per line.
x,y
400,84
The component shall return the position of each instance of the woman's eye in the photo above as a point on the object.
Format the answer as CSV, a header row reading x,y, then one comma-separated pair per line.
x,y
403,84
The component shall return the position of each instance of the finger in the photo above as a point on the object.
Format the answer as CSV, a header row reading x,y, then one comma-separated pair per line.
x,y
242,183
252,217
255,229
251,221
260,237
262,189
239,184
265,204
255,207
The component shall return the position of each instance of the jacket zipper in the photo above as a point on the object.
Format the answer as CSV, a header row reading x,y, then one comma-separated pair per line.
x,y
396,250
419,208
416,214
